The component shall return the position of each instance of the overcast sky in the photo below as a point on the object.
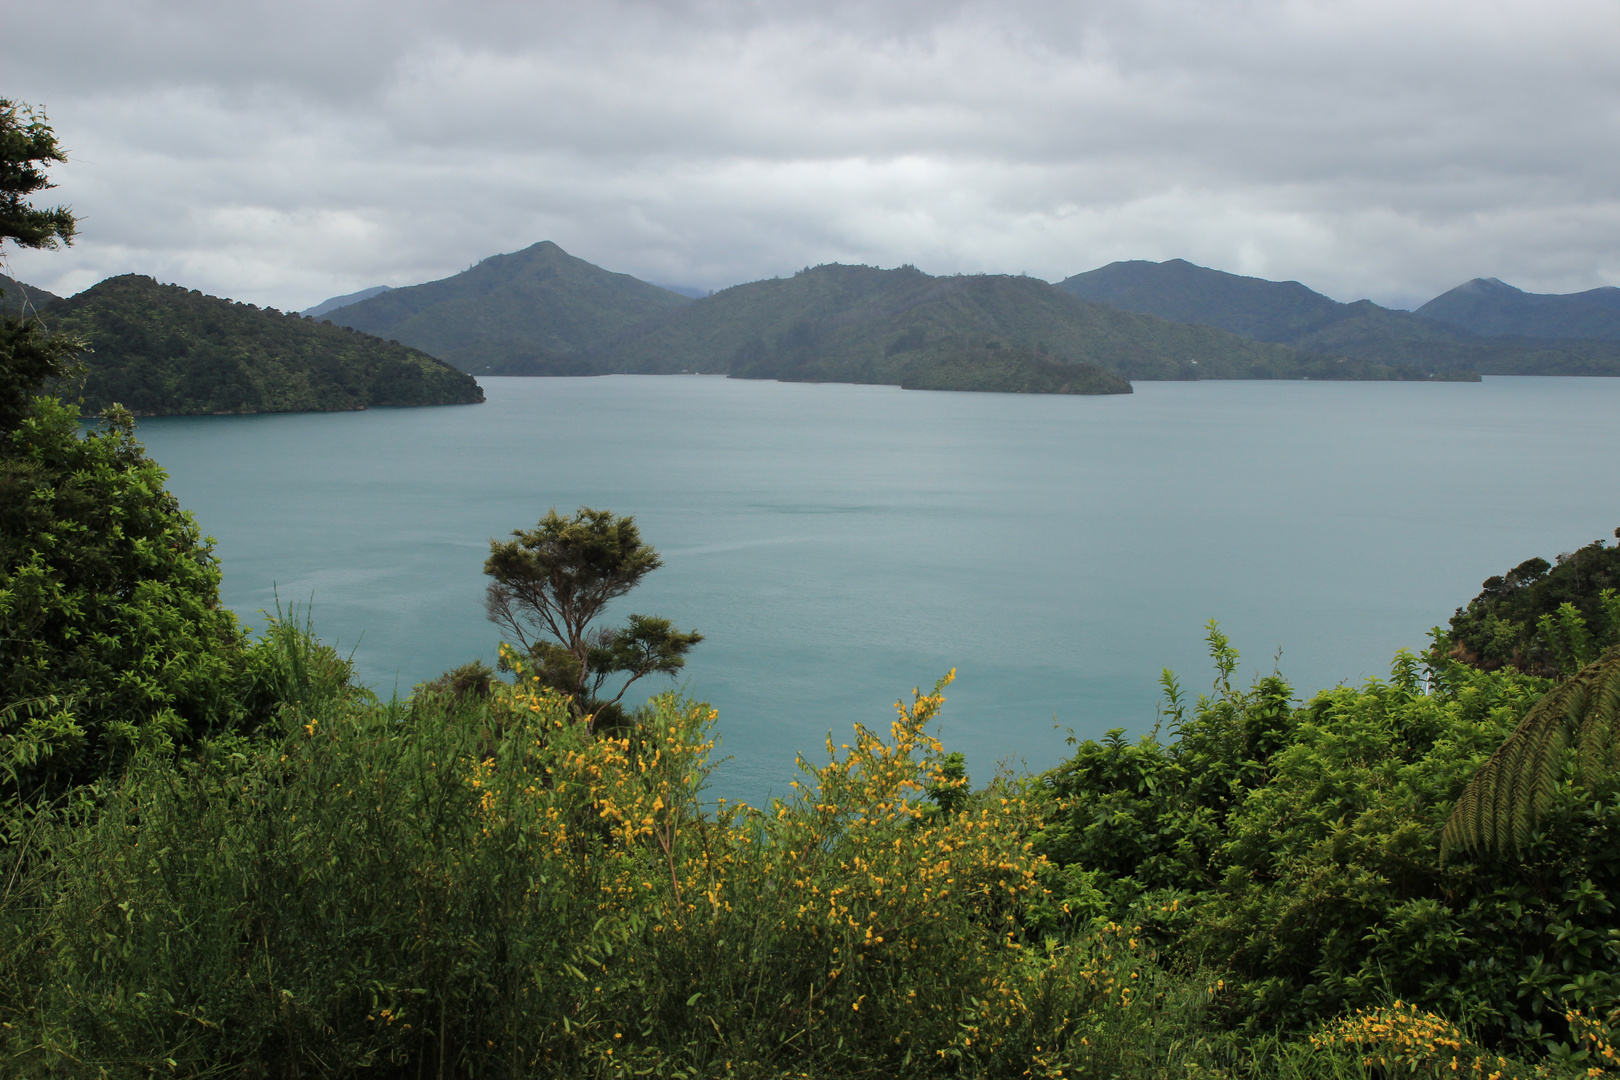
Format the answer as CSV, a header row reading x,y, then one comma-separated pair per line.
x,y
282,153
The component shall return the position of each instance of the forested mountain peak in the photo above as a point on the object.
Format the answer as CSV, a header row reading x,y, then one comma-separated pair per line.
x,y
1181,291
1492,306
527,312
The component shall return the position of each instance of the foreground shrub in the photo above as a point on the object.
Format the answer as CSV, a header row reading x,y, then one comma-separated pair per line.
x,y
1295,850
474,885
111,632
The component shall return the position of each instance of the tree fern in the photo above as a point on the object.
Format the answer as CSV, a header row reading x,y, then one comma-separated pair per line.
x,y
1513,789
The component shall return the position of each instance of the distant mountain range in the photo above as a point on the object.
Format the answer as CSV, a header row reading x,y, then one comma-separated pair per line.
x,y
839,323
1487,306
532,312
336,302
164,350
541,311
1287,312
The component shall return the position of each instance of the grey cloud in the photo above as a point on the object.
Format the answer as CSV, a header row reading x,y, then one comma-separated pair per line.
x,y
284,153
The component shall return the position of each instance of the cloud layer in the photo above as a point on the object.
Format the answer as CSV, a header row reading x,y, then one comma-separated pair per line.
x,y
284,153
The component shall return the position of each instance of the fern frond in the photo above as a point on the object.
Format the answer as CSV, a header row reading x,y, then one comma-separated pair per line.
x,y
1513,789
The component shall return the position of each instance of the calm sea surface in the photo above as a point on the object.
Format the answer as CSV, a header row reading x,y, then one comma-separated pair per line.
x,y
839,545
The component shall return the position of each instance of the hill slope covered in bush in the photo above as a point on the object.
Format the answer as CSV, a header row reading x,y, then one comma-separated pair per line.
x,y
163,350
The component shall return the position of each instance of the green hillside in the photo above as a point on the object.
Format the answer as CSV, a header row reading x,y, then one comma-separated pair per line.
x,y
861,324
1010,369
1287,312
1276,311
1487,306
163,350
20,297
332,303
527,313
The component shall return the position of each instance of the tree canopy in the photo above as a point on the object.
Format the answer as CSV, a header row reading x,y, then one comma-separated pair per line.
x,y
27,148
550,583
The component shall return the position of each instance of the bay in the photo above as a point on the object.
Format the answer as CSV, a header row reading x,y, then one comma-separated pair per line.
x,y
839,545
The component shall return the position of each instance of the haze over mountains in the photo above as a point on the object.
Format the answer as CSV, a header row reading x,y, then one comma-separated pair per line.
x,y
342,301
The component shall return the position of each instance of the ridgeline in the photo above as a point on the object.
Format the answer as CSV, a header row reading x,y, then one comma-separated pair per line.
x,y
1288,313
861,324
1488,306
20,298
528,313
162,350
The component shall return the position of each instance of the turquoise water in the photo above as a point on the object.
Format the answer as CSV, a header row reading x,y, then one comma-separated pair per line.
x,y
839,545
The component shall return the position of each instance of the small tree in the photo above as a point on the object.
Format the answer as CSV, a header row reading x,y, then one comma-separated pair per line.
x,y
551,582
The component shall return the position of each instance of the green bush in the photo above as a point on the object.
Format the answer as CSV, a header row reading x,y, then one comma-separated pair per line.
x,y
1295,849
475,885
112,636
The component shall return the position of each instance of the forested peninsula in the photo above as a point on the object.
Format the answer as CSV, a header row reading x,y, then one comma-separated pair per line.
x,y
163,350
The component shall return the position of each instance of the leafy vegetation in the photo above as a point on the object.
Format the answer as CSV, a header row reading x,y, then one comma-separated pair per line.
x,y
28,147
550,583
1511,793
111,633
1287,312
528,313
161,350
1296,850
866,325
1540,617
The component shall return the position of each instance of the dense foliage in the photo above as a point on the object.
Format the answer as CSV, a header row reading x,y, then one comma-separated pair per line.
x,y
481,888
111,633
1540,617
1016,369
161,349
1509,796
862,324
528,313
1296,849
1288,313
